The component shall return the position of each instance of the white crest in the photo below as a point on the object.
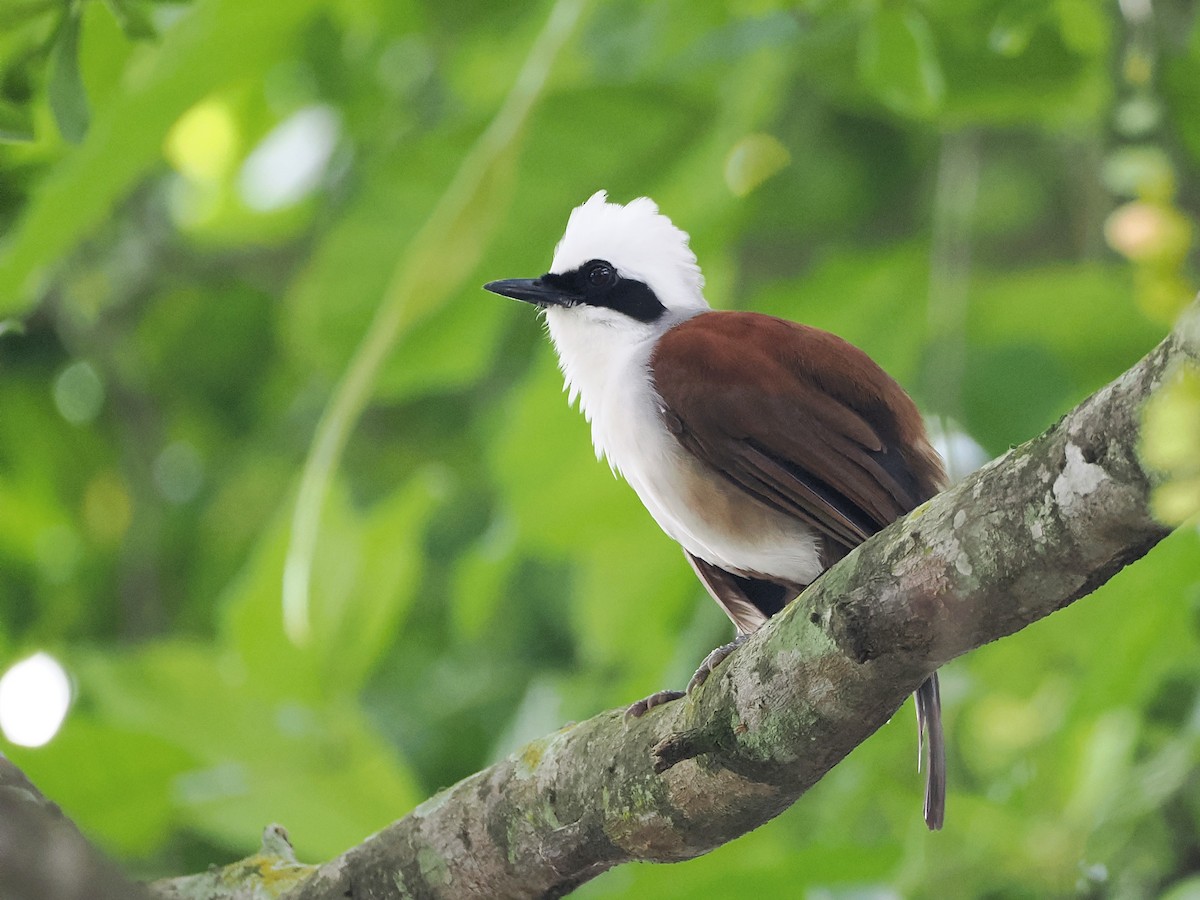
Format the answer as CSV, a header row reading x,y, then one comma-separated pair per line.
x,y
640,241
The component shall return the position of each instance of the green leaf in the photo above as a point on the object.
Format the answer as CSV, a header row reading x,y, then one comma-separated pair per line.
x,y
18,12
457,231
68,98
481,577
1086,26
1171,445
387,542
252,624
544,465
1013,28
1180,79
1009,392
16,123
258,758
898,61
610,615
116,783
127,138
1026,368
365,578
132,18
1187,889
753,160
1096,330
448,348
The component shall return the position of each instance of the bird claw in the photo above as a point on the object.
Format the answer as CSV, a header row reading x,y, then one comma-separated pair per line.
x,y
714,659
639,709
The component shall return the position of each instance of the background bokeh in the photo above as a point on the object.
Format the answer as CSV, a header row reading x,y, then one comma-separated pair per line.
x,y
241,244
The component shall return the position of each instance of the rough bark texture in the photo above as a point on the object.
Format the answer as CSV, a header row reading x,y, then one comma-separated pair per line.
x,y
1028,534
266,875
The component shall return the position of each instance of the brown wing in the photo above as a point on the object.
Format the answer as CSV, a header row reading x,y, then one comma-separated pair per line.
x,y
797,417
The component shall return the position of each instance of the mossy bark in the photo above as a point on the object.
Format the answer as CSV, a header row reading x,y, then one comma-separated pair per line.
x,y
1027,535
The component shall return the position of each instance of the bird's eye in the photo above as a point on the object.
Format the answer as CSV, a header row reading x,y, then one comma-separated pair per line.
x,y
601,275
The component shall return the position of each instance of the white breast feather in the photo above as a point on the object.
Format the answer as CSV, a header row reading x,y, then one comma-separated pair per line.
x,y
607,369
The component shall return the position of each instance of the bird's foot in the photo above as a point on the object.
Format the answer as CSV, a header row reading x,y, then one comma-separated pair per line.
x,y
639,709
714,659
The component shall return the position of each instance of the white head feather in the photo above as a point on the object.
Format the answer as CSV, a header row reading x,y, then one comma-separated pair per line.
x,y
640,241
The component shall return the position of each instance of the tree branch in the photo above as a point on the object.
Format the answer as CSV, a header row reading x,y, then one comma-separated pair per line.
x,y
1028,534
42,854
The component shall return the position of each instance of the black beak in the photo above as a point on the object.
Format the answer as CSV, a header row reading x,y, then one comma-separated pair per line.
x,y
532,290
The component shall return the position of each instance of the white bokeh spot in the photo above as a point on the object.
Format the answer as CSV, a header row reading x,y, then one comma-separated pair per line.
x,y
34,696
288,163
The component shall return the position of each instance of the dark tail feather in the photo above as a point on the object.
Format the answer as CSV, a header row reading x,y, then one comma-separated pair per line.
x,y
929,728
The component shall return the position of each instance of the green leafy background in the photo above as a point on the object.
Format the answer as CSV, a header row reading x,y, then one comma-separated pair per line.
x,y
993,197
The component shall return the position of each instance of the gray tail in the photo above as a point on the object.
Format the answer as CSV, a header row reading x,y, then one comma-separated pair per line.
x,y
929,728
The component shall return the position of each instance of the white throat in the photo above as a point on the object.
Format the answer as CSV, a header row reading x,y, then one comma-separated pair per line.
x,y
605,361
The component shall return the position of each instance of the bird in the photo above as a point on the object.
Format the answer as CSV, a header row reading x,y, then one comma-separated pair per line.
x,y
767,449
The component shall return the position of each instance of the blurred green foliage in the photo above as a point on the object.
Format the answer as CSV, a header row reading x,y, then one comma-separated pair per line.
x,y
203,209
